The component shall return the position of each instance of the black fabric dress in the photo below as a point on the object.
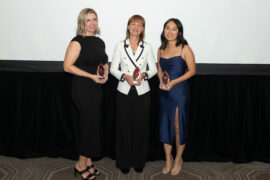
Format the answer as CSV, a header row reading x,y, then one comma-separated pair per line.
x,y
87,95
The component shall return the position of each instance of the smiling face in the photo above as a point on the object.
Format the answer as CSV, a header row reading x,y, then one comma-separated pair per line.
x,y
171,31
90,24
135,28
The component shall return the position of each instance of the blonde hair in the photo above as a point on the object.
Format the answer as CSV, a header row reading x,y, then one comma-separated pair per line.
x,y
136,18
82,19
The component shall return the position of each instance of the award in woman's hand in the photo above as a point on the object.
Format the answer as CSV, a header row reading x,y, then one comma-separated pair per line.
x,y
165,78
100,71
136,75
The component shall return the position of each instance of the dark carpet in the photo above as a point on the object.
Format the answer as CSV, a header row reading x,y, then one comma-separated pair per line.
x,y
62,169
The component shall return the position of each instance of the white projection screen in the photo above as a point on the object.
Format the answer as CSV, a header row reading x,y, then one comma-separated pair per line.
x,y
218,31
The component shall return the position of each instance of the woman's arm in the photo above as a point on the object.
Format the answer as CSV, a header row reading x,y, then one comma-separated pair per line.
x,y
115,63
106,69
72,54
159,68
190,60
160,72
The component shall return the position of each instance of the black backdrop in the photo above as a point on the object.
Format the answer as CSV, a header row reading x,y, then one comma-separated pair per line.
x,y
229,113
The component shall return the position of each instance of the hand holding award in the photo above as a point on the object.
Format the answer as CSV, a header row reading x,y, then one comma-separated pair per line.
x,y
165,78
100,71
136,75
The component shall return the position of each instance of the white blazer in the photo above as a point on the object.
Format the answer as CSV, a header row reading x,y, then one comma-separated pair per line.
x,y
124,61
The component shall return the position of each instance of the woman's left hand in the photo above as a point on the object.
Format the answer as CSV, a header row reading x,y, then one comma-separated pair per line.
x,y
142,76
105,79
169,86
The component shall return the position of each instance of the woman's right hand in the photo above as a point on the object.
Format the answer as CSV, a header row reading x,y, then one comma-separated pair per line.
x,y
129,79
168,86
162,87
97,79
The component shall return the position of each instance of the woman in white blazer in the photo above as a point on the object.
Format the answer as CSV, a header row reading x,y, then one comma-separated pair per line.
x,y
133,98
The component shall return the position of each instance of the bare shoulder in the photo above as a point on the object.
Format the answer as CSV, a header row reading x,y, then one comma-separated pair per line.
x,y
187,49
187,53
74,44
159,51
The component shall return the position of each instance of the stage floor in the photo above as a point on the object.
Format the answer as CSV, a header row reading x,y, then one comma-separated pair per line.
x,y
62,169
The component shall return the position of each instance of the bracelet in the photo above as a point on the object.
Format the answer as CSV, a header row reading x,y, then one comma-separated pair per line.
x,y
145,76
122,78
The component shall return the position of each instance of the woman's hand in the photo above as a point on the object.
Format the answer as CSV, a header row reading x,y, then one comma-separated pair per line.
x,y
161,86
142,76
129,79
104,78
168,87
98,80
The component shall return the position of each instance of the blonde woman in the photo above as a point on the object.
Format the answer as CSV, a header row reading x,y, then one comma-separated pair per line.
x,y
84,54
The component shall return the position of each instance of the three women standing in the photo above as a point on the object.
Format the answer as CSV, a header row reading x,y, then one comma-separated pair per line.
x,y
176,59
133,57
133,64
83,56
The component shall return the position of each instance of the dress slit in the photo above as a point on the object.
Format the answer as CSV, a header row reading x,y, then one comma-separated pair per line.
x,y
180,125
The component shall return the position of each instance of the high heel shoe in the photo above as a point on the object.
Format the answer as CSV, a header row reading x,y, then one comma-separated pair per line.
x,y
96,172
166,171
76,172
174,171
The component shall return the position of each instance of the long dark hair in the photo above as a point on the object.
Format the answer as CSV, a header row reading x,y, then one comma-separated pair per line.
x,y
180,36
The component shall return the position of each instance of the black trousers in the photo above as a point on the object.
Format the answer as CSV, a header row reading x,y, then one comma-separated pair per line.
x,y
132,129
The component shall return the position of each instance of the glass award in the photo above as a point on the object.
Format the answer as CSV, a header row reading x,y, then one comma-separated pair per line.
x,y
165,78
100,71
136,75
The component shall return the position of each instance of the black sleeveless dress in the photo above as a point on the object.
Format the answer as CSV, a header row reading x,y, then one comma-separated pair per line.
x,y
87,95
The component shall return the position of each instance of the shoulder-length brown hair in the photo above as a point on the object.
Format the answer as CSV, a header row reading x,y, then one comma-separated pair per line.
x,y
139,19
82,19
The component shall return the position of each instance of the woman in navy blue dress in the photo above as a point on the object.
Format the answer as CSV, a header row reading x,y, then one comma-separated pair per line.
x,y
177,59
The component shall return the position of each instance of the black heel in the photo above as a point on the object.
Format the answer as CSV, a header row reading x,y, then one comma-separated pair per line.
x,y
76,172
96,172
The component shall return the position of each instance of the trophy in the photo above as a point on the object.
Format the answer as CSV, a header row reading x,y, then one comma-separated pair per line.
x,y
165,78
100,71
136,75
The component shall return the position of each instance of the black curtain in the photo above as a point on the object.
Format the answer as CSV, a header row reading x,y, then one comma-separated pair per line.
x,y
229,117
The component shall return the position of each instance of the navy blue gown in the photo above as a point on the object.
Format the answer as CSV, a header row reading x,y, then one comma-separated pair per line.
x,y
178,96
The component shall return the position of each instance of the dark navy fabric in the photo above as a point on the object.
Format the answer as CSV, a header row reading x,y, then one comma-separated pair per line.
x,y
178,96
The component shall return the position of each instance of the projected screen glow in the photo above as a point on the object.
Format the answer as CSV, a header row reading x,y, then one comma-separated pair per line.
x,y
223,31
